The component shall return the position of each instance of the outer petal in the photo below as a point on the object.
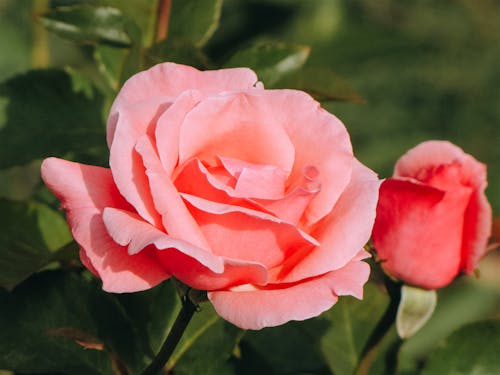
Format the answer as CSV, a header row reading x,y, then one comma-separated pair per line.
x,y
194,266
477,230
258,307
127,229
126,164
426,154
169,79
168,129
192,273
418,232
420,160
84,192
343,232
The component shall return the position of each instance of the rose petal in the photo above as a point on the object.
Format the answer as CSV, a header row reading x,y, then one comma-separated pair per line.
x,y
416,162
412,240
256,180
192,273
126,165
245,234
127,229
169,79
258,307
292,206
84,192
168,129
343,232
194,179
176,218
238,126
320,140
194,266
477,230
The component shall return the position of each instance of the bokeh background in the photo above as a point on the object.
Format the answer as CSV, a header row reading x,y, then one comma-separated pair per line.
x,y
422,69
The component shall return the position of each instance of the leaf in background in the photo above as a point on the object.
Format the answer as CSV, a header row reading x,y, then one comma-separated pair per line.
x,y
351,324
194,20
463,302
330,343
30,314
142,13
206,346
321,83
271,61
110,63
116,65
88,24
473,349
46,117
178,51
29,235
152,313
293,348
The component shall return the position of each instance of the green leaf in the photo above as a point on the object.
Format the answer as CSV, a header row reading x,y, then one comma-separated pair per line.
x,y
41,321
29,234
206,345
352,322
88,24
194,20
45,116
142,13
293,348
178,51
330,343
271,61
116,65
110,62
321,83
152,314
473,349
414,310
463,302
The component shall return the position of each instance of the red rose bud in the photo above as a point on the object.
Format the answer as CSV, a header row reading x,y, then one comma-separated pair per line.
x,y
433,218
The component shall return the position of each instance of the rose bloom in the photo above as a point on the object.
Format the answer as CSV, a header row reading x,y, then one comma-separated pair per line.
x,y
253,195
433,218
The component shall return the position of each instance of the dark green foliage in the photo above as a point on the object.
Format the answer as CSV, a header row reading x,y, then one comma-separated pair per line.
x,y
44,115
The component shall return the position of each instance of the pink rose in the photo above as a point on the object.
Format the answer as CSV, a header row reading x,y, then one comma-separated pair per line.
x,y
253,195
433,219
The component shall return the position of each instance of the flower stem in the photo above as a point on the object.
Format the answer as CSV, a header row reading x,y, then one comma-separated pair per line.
x,y
173,338
381,331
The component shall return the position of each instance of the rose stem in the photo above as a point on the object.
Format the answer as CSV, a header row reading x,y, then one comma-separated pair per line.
x,y
381,331
174,336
